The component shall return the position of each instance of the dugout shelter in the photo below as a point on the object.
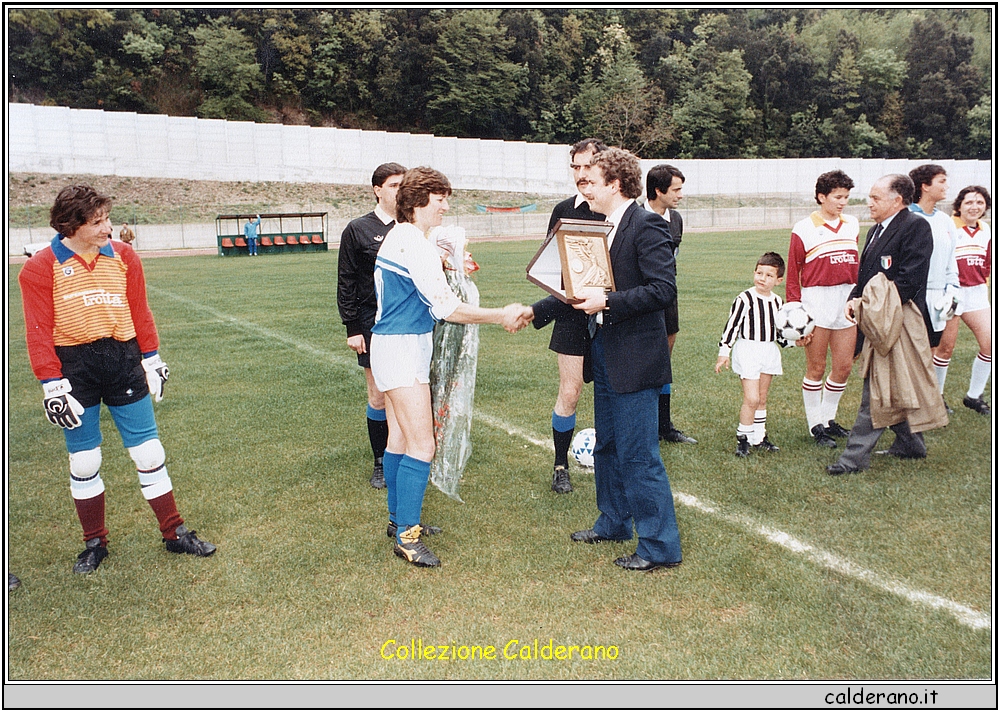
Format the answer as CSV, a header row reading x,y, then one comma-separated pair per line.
x,y
279,233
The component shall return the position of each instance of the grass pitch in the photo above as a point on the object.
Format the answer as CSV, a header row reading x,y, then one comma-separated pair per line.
x,y
263,424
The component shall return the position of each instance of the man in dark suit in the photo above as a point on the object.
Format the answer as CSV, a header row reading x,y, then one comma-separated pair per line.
x,y
898,245
630,363
570,339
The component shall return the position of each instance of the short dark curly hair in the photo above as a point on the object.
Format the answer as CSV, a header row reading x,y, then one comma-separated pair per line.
x,y
924,175
617,164
75,206
830,181
416,188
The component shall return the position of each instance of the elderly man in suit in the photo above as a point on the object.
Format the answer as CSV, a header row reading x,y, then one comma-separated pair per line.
x,y
631,364
898,245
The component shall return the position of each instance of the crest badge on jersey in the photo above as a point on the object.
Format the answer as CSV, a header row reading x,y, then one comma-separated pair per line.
x,y
886,261
68,271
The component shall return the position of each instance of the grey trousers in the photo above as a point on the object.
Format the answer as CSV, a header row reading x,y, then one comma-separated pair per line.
x,y
863,438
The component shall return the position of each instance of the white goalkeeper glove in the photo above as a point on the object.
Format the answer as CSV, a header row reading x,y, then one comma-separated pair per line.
x,y
948,303
156,375
61,408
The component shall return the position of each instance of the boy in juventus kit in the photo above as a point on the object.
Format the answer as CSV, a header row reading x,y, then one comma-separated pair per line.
x,y
91,338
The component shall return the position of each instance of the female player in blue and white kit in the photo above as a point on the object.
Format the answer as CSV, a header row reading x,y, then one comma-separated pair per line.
x,y
413,294
973,254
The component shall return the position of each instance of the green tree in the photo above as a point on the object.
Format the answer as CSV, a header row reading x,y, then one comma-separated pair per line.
x,y
225,64
475,87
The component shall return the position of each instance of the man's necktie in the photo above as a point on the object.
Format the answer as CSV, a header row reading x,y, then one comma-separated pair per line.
x,y
875,235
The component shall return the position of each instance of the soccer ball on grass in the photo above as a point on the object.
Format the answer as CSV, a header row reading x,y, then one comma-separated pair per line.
x,y
583,447
793,322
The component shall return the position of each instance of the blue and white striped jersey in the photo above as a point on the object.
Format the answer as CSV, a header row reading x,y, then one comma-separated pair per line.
x,y
410,284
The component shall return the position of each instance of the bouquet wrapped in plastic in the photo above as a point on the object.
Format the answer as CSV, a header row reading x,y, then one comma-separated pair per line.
x,y
453,368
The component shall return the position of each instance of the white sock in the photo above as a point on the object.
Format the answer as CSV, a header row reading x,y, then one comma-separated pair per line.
x,y
759,426
832,392
812,399
941,371
982,366
746,431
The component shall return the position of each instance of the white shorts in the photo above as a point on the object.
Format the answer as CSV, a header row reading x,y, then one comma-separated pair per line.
x,y
973,299
752,358
400,359
826,305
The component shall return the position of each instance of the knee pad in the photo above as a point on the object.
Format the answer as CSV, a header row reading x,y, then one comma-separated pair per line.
x,y
149,459
85,473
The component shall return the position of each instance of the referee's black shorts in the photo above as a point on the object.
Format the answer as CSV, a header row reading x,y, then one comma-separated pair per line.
x,y
570,335
671,316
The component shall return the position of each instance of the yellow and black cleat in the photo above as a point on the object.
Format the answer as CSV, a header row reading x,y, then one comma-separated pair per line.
x,y
413,550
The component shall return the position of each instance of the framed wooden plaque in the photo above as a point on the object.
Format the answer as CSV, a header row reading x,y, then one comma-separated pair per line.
x,y
573,256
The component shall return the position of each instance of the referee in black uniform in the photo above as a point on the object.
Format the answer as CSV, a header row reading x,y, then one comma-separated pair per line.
x,y
356,300
570,338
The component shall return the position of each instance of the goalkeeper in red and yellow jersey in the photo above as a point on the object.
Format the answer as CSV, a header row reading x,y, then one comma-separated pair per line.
x,y
91,338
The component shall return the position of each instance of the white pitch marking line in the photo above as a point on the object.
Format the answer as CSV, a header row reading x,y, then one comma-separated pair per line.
x,y
965,615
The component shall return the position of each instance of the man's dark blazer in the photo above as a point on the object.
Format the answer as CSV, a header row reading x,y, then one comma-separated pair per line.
x,y
634,332
568,209
903,253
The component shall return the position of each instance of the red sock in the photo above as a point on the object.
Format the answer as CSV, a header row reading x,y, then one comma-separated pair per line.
x,y
167,514
91,515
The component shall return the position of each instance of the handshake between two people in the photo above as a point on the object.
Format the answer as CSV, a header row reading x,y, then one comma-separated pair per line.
x,y
515,317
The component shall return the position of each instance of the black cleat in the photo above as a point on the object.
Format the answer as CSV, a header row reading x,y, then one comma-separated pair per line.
x,y
560,480
766,445
91,557
836,430
390,531
976,404
742,446
378,475
12,581
823,437
676,436
413,550
187,543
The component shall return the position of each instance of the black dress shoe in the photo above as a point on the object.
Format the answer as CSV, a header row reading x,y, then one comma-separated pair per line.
x,y
839,468
676,436
634,562
589,536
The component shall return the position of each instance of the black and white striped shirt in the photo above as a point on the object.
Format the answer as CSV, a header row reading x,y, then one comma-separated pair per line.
x,y
752,317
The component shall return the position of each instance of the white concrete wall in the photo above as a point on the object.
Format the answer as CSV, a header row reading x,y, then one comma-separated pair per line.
x,y
49,139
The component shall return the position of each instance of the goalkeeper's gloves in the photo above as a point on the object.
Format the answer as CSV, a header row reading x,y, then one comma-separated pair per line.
x,y
156,375
61,408
948,303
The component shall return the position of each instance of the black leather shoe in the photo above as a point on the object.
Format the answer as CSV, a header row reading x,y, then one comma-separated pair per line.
x,y
836,430
676,436
187,543
560,480
378,475
91,557
977,404
822,438
589,536
390,531
839,468
634,562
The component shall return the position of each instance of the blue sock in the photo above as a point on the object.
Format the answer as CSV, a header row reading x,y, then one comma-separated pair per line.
x,y
666,389
563,423
373,414
390,466
411,482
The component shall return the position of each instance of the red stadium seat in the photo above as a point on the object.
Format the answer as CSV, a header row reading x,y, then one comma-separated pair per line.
x,y
227,242
292,240
265,241
317,239
279,240
240,242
